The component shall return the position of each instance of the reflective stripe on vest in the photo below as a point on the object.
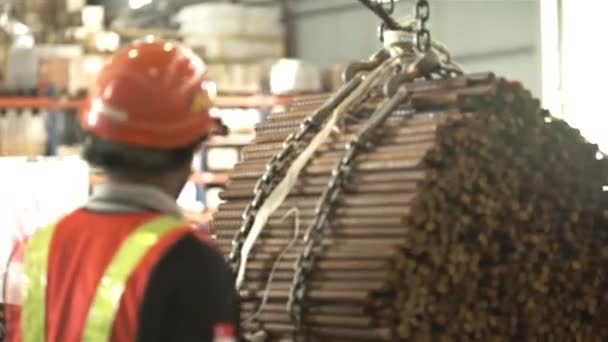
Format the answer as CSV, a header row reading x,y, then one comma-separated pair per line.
x,y
34,285
105,304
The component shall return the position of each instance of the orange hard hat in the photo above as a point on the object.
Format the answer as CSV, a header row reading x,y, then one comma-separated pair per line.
x,y
150,94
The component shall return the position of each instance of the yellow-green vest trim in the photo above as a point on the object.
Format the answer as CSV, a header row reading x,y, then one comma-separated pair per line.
x,y
98,326
33,318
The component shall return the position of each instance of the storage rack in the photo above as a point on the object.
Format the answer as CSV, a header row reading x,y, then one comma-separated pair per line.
x,y
201,178
39,102
228,101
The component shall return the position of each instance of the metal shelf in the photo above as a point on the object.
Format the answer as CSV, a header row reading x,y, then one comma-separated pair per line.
x,y
199,178
39,102
227,101
252,101
230,140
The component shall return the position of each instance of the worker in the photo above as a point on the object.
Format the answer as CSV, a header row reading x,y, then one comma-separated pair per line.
x,y
126,267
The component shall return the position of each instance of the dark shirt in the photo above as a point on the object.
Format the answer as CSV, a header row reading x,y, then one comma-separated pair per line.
x,y
190,291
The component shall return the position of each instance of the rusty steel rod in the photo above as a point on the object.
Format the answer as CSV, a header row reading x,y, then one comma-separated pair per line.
x,y
473,219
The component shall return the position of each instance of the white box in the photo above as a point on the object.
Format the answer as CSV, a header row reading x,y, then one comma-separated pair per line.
x,y
222,18
93,17
222,158
225,47
237,78
35,194
212,197
263,21
291,76
74,5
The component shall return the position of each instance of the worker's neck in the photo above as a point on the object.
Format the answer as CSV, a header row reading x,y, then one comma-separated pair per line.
x,y
167,183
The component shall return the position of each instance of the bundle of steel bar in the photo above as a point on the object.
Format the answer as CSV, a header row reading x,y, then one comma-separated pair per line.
x,y
472,215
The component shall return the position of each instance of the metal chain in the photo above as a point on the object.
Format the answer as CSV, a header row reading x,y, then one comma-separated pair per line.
x,y
305,263
277,165
263,187
390,10
388,6
423,35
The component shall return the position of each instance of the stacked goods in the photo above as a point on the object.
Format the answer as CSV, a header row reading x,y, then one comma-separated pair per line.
x,y
23,132
473,216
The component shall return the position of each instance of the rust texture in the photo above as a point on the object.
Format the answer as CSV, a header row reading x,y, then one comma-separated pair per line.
x,y
479,218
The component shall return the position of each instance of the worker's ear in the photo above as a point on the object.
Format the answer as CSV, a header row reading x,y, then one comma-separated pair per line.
x,y
220,128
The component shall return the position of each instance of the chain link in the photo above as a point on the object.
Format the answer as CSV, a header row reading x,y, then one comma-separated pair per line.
x,y
264,187
423,35
388,6
304,265
313,236
278,164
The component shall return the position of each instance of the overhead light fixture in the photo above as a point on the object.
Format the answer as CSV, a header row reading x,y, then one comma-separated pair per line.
x,y
137,4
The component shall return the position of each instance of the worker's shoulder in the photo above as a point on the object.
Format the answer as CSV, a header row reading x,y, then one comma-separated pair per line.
x,y
87,217
194,247
191,265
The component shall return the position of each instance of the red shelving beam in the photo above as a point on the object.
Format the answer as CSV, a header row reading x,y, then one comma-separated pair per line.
x,y
221,102
254,101
39,102
199,178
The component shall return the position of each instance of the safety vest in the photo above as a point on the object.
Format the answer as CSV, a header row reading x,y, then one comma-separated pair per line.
x,y
106,300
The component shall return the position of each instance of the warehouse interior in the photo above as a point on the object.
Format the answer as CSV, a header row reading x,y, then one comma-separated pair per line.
x,y
360,184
